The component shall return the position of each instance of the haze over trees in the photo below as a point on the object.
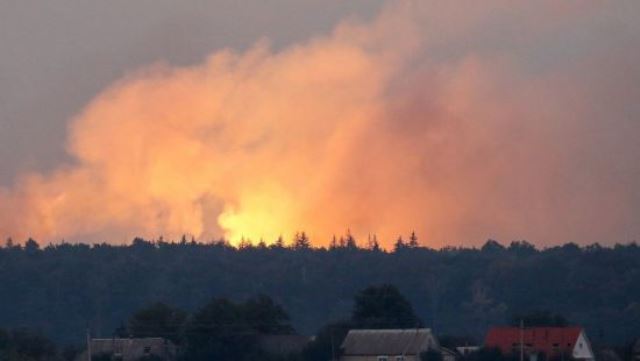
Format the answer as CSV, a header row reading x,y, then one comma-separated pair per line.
x,y
63,289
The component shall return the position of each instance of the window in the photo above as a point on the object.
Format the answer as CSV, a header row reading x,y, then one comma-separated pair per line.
x,y
147,350
383,358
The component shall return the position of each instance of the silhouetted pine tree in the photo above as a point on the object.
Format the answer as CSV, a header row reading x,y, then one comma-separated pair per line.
x,y
334,243
399,244
413,240
350,241
279,242
301,241
373,244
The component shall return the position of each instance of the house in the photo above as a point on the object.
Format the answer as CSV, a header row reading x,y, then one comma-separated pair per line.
x,y
467,350
129,349
607,355
552,342
387,345
448,354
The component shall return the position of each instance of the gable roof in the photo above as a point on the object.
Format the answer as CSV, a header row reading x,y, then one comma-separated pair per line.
x,y
131,349
549,340
388,342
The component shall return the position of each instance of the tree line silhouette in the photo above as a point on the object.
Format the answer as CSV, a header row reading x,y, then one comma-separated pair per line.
x,y
63,289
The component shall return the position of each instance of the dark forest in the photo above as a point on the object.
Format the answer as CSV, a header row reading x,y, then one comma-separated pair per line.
x,y
62,290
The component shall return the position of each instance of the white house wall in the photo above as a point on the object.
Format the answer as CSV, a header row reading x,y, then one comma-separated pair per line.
x,y
582,349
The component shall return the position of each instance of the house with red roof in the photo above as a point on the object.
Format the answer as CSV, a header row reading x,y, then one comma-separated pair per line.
x,y
538,343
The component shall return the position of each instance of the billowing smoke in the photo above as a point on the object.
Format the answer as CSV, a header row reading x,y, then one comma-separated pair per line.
x,y
494,119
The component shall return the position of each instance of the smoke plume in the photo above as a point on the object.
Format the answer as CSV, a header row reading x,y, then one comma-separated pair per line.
x,y
491,120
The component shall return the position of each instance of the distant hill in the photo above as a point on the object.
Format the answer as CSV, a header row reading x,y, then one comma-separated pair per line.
x,y
63,289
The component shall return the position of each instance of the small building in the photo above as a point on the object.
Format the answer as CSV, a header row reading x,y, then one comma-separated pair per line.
x,y
607,354
467,350
387,345
448,354
534,342
129,349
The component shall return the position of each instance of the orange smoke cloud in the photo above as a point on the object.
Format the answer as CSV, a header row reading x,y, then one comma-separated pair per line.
x,y
382,128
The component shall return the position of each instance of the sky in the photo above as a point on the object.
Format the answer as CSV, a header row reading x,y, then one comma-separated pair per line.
x,y
461,121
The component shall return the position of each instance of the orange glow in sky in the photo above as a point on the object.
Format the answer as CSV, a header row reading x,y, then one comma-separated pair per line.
x,y
406,122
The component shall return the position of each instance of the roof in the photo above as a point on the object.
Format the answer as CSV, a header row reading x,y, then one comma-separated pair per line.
x,y
608,355
449,351
388,342
123,345
463,350
549,340
131,348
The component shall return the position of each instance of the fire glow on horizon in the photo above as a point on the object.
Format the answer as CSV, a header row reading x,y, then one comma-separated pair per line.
x,y
413,121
